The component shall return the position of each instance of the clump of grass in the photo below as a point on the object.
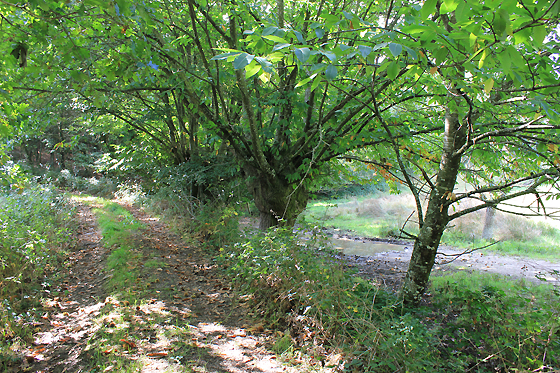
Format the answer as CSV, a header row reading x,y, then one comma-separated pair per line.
x,y
35,230
502,324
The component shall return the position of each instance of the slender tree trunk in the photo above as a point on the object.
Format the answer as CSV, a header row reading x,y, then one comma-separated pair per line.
x,y
437,217
488,229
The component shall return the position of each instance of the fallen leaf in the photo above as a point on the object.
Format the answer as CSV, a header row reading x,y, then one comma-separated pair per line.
x,y
259,328
128,343
157,354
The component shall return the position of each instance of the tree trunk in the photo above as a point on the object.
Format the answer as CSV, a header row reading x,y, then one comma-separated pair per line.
x,y
437,217
278,202
488,229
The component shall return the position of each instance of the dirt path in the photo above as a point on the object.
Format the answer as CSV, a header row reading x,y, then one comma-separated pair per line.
x,y
182,316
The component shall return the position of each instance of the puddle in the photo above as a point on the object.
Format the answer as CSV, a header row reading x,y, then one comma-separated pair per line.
x,y
364,248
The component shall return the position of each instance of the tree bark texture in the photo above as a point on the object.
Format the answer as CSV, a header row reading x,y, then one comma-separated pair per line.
x,y
437,217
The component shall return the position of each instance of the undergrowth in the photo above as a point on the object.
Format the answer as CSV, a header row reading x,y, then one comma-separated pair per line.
x,y
464,326
35,229
212,224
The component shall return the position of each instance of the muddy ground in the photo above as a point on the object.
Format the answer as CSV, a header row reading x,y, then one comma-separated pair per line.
x,y
390,267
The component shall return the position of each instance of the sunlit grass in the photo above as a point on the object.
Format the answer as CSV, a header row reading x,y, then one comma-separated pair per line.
x,y
365,216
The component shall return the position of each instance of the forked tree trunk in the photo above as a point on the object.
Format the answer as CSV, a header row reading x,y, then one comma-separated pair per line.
x,y
437,217
278,202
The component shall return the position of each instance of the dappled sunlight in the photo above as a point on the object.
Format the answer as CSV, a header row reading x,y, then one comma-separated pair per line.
x,y
173,314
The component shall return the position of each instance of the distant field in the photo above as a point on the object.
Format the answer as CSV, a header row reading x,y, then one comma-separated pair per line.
x,y
383,215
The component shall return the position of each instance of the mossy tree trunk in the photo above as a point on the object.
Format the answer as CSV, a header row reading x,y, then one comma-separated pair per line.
x,y
278,201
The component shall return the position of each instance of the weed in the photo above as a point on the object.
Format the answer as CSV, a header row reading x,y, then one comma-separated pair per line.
x,y
214,223
498,324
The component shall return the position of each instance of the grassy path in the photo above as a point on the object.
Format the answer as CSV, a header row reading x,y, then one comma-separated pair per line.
x,y
136,298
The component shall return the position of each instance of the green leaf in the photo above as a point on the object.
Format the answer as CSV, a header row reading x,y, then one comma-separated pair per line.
x,y
462,11
395,49
516,57
472,40
306,80
330,55
505,61
224,56
481,61
278,47
316,82
522,36
331,72
302,54
252,69
299,36
441,55
500,22
412,53
488,84
348,15
448,6
539,33
275,39
269,30
242,60
428,8
415,29
265,64
365,50
392,70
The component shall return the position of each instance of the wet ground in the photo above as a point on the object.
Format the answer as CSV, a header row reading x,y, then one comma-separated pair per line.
x,y
390,258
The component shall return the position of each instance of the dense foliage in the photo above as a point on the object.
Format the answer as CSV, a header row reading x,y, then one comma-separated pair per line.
x,y
473,323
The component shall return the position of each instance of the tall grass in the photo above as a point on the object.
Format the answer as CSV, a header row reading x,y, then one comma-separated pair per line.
x,y
481,326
